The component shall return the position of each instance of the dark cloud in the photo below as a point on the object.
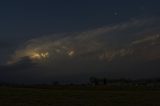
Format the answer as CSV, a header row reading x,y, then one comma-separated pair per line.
x,y
102,43
24,63
129,49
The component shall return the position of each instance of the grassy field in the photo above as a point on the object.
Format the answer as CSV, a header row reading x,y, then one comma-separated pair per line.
x,y
77,97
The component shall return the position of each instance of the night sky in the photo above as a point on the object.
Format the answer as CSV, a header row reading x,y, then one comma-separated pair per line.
x,y
43,41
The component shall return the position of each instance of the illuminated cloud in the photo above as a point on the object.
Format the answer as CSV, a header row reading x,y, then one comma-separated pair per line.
x,y
151,39
106,44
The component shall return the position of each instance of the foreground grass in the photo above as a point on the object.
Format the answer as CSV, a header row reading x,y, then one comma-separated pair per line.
x,y
77,97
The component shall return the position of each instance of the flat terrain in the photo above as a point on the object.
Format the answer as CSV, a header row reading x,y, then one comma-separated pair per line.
x,y
77,97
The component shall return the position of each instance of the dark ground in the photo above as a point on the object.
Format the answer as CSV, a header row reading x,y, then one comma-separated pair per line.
x,y
78,96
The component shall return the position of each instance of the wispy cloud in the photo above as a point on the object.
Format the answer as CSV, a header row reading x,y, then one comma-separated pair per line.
x,y
146,39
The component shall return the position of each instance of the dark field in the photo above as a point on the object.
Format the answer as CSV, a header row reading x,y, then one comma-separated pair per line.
x,y
81,96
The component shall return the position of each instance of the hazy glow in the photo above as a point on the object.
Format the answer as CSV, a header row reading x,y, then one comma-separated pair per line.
x,y
71,53
35,56
38,56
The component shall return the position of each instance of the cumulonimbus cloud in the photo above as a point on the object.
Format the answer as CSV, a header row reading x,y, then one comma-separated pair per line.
x,y
125,41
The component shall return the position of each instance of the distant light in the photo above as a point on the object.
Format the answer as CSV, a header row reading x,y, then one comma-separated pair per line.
x,y
38,56
35,56
71,53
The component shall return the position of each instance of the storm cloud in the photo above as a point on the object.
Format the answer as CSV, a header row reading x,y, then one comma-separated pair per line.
x,y
116,50
102,43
